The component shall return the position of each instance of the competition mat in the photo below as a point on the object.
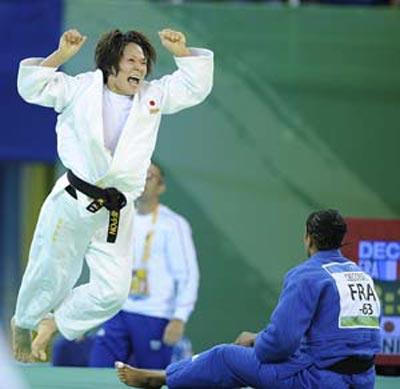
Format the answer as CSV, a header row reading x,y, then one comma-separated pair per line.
x,y
46,377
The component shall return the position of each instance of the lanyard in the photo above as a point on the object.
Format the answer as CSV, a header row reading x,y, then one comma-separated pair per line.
x,y
148,242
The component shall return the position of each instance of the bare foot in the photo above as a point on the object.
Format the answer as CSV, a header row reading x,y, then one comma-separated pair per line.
x,y
140,378
46,331
21,343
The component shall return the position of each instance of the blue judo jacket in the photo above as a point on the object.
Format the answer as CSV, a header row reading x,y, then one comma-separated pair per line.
x,y
328,310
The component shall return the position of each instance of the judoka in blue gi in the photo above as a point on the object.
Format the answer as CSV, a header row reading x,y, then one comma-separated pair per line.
x,y
323,333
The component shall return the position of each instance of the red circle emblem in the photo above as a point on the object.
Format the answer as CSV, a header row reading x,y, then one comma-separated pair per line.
x,y
152,103
388,326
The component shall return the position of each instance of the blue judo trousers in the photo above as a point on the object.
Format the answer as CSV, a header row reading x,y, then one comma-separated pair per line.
x,y
328,310
131,338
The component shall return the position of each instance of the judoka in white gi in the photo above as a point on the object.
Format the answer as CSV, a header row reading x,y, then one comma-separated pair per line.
x,y
106,132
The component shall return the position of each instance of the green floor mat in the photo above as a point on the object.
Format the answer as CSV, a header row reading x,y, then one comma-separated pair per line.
x,y
46,377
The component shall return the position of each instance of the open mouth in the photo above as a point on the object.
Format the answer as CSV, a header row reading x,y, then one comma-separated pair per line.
x,y
134,80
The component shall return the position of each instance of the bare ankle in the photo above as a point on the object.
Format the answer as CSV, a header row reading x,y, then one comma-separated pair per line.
x,y
157,380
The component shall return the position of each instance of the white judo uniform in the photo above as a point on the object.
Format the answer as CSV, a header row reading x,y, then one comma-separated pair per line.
x,y
67,232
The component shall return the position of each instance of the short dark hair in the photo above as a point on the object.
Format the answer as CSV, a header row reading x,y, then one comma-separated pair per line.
x,y
327,228
110,48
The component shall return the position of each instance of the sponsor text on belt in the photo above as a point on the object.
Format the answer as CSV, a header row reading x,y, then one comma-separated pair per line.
x,y
110,198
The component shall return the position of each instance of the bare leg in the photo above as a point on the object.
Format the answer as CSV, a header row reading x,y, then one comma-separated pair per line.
x,y
46,331
21,343
140,378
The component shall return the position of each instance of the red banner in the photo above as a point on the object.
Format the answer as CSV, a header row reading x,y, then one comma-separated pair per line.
x,y
375,245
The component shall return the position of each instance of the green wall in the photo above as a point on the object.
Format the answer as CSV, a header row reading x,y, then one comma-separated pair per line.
x,y
303,115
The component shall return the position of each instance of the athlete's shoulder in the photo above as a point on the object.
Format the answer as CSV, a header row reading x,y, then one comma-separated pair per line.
x,y
344,266
307,272
172,216
301,268
151,86
169,213
89,77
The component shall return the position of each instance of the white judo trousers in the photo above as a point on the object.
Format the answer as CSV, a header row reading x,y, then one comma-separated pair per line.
x,y
67,233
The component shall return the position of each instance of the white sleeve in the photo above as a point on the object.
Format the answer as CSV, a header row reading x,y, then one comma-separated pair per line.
x,y
190,84
44,85
184,267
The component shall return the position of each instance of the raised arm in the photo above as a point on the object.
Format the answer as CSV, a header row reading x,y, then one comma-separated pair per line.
x,y
174,42
40,83
192,82
70,43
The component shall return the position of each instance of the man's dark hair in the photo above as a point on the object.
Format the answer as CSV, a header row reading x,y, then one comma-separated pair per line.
x,y
327,228
110,48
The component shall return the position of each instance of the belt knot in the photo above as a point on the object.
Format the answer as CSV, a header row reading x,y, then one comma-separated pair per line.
x,y
114,200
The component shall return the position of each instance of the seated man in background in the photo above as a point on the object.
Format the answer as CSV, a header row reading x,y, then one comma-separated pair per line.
x,y
164,286
323,333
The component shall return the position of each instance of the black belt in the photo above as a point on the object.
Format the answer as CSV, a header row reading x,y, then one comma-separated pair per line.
x,y
352,365
110,198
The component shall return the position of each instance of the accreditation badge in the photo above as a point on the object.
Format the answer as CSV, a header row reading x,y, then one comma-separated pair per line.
x,y
139,284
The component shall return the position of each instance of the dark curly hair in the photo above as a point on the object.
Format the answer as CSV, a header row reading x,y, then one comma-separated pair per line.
x,y
327,228
110,48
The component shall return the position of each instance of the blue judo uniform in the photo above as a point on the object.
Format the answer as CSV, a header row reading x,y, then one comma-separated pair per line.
x,y
328,310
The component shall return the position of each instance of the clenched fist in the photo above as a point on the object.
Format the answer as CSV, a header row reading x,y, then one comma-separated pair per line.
x,y
70,43
174,42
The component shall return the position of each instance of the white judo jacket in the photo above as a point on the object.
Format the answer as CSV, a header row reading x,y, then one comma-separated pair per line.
x,y
173,274
66,232
78,100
